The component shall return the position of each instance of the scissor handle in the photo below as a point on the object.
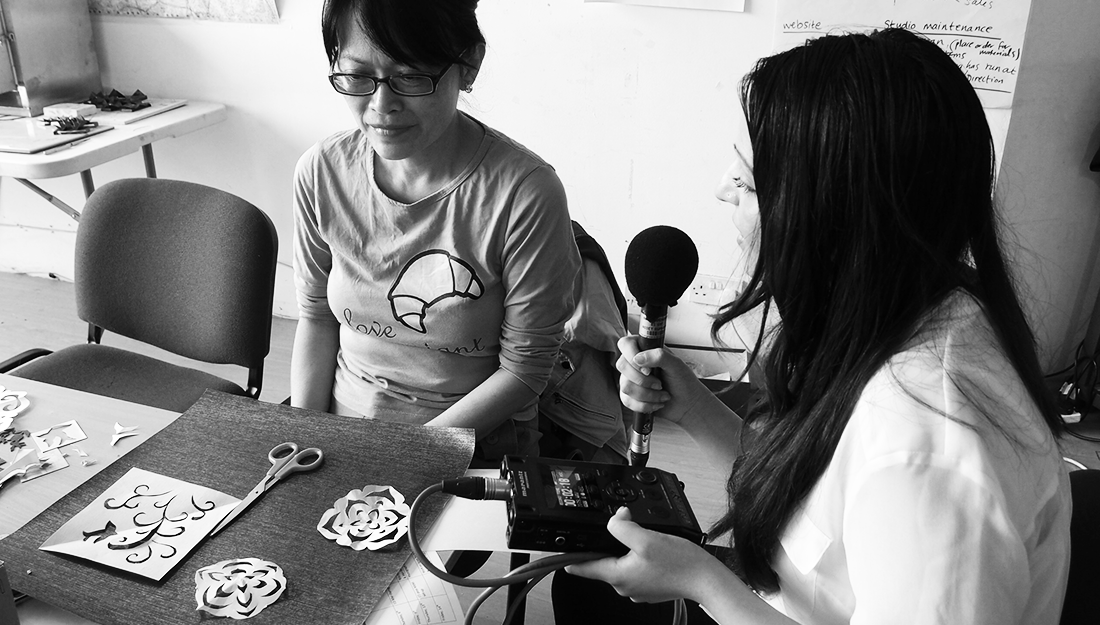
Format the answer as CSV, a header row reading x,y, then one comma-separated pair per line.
x,y
287,459
280,453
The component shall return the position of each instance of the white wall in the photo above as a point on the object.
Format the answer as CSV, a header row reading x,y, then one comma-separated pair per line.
x,y
631,104
1048,193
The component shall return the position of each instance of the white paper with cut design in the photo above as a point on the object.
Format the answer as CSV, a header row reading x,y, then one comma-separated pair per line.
x,y
144,523
368,518
11,404
238,589
58,436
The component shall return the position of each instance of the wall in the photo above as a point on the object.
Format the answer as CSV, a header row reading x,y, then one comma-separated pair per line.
x,y
1049,195
632,105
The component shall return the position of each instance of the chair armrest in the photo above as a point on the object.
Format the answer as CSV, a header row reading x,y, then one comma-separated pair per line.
x,y
23,358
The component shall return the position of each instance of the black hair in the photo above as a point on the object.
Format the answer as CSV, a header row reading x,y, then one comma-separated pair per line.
x,y
425,34
874,170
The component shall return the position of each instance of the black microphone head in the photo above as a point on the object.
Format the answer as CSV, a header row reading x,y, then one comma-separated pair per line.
x,y
661,262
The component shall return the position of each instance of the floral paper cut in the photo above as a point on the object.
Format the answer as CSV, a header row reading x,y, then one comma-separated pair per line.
x,y
368,518
240,588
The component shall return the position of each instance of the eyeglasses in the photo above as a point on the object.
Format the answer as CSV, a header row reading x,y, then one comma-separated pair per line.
x,y
402,84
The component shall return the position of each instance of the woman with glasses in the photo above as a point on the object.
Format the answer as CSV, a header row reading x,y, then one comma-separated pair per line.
x,y
906,469
434,257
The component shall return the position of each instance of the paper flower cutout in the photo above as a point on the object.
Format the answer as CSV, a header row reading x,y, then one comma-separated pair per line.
x,y
368,518
240,588
122,432
12,402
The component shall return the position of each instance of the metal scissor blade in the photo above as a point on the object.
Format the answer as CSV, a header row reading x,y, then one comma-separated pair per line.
x,y
243,505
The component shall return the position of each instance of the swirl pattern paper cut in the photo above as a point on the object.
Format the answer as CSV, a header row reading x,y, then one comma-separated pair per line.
x,y
12,403
368,518
144,523
238,589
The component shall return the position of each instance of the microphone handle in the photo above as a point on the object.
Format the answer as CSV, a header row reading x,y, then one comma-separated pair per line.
x,y
651,335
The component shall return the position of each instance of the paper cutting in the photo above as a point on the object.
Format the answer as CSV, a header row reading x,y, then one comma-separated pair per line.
x,y
12,403
144,523
238,589
58,436
13,438
48,462
367,518
30,464
122,432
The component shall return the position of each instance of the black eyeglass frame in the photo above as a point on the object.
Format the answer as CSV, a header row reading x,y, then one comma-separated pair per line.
x,y
434,78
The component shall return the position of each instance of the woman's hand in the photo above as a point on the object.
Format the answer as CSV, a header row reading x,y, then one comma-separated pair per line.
x,y
673,391
659,567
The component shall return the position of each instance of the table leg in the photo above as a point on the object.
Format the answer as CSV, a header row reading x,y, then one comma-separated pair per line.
x,y
86,180
69,210
517,560
150,166
7,601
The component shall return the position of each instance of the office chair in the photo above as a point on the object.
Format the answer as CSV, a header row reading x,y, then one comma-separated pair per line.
x,y
180,266
1080,606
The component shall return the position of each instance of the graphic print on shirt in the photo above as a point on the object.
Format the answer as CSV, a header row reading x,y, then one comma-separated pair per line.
x,y
426,279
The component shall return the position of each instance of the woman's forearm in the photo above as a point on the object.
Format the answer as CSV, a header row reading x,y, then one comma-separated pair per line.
x,y
313,363
729,601
715,429
493,402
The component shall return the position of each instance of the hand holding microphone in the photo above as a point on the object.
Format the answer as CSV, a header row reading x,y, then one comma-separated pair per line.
x,y
661,262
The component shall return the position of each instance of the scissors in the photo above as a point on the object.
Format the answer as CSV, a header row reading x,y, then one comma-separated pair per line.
x,y
286,460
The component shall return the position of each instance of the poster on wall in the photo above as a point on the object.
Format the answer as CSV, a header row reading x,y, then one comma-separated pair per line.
x,y
708,5
984,37
256,11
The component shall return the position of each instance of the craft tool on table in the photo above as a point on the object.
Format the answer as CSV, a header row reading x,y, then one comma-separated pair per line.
x,y
286,459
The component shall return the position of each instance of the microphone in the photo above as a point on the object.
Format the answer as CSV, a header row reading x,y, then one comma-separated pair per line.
x,y
661,262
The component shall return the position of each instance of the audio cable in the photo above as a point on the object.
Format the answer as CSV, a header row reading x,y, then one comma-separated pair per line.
x,y
530,574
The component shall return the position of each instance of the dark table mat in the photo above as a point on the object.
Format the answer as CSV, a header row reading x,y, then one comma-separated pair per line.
x,y
222,442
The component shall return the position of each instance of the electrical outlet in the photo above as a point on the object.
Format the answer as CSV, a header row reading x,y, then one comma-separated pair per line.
x,y
707,290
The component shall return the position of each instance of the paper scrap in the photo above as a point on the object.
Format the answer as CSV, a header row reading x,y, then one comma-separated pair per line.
x,y
367,518
58,436
12,403
417,596
144,523
13,438
122,432
48,462
240,588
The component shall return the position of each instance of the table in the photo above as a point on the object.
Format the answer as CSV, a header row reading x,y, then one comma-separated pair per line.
x,y
222,443
83,154
51,405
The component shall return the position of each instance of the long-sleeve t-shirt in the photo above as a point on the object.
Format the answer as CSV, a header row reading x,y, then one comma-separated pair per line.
x,y
434,296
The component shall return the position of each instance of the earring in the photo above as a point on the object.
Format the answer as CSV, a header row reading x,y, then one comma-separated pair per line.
x,y
468,88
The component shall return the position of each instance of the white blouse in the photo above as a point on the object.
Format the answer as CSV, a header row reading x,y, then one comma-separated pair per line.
x,y
946,502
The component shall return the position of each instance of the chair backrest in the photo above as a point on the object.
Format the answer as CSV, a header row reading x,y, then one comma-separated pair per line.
x,y
1081,607
181,266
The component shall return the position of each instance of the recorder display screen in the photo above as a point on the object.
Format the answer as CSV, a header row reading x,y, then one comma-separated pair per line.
x,y
569,487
